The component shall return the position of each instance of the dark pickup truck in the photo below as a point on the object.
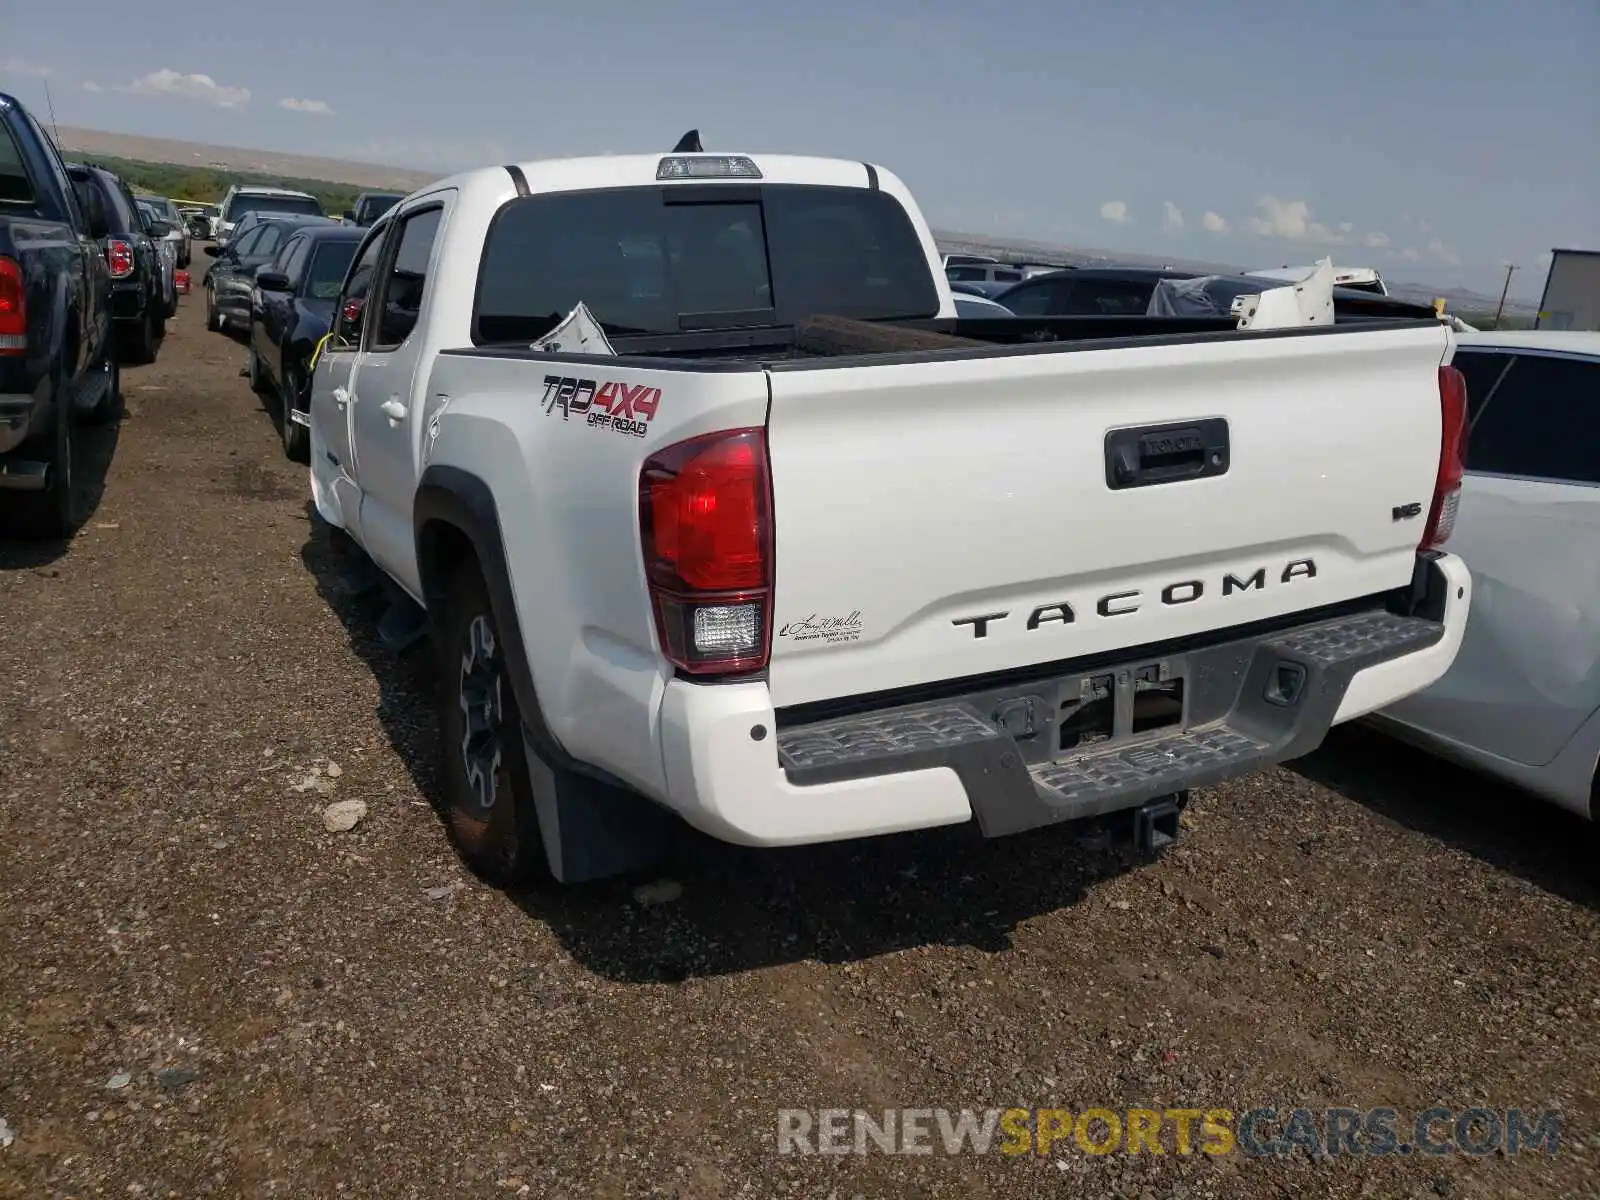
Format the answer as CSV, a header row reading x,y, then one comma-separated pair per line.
x,y
58,363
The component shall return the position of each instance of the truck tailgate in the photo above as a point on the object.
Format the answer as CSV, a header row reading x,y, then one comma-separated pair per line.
x,y
941,519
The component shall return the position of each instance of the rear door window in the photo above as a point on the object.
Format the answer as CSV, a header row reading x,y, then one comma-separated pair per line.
x,y
268,238
1109,298
124,219
245,246
292,257
1483,370
1542,422
1046,298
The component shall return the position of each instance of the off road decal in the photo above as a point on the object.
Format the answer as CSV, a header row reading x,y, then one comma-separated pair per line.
x,y
623,408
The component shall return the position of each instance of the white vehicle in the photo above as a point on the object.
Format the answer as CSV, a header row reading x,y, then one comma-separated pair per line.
x,y
680,555
969,305
244,198
1360,279
983,273
1522,701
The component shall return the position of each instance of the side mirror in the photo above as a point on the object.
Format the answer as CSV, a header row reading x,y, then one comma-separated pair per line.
x,y
213,250
269,280
350,215
159,229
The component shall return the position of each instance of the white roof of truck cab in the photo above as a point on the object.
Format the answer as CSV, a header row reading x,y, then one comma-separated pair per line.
x,y
639,170
250,189
1559,341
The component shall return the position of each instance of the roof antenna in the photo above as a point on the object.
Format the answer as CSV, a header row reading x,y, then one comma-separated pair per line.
x,y
689,143
54,128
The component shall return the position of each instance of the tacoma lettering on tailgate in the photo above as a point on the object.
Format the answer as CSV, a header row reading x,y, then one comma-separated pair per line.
x,y
1122,604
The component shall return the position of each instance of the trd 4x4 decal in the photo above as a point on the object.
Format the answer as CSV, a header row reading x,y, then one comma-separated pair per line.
x,y
622,407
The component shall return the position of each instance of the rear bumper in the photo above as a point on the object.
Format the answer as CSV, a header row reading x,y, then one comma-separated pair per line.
x,y
21,413
996,754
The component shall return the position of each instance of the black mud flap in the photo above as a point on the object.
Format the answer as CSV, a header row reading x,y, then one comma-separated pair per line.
x,y
593,829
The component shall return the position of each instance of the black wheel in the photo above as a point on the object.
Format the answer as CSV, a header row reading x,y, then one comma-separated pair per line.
x,y
110,407
483,770
252,367
213,317
296,438
141,342
54,512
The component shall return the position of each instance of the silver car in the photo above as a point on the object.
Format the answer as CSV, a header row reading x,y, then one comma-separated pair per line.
x,y
169,258
167,211
1522,700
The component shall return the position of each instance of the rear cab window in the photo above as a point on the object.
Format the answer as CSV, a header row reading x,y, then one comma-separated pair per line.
x,y
663,260
244,202
329,262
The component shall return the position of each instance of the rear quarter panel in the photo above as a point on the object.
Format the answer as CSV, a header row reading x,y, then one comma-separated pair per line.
x,y
53,281
566,485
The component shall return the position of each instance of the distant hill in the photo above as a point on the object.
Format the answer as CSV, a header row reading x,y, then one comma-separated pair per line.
x,y
233,159
306,169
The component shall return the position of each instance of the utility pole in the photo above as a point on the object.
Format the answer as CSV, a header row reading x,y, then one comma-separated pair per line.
x,y
1499,308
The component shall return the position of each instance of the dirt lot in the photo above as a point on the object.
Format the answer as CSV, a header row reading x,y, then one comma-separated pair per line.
x,y
205,993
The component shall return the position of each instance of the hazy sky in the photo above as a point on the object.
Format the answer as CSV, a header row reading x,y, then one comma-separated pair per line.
x,y
1435,139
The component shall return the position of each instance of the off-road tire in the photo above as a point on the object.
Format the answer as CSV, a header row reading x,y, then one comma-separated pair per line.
x,y
483,769
140,344
54,513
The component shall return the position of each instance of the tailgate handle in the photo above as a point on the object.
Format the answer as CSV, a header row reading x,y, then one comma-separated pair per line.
x,y
1151,454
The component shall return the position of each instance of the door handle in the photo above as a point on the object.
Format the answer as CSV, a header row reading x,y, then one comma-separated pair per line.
x,y
394,410
341,398
1156,454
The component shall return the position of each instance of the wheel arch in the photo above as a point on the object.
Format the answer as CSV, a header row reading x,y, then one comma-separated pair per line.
x,y
455,521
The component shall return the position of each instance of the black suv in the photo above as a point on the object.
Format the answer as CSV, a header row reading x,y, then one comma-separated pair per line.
x,y
369,206
138,306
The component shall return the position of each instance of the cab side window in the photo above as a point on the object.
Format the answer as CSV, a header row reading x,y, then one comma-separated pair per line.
x,y
357,287
401,300
1542,421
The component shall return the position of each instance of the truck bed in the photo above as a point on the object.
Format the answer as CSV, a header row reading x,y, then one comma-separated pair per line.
x,y
1000,337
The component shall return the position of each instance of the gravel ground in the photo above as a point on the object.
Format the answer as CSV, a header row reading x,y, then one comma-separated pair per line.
x,y
204,992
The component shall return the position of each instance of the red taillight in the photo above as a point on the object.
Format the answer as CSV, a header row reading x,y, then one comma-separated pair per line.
x,y
705,515
119,257
13,308
1452,458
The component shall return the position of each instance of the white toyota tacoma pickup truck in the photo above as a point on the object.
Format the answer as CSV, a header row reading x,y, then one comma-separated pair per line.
x,y
784,548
